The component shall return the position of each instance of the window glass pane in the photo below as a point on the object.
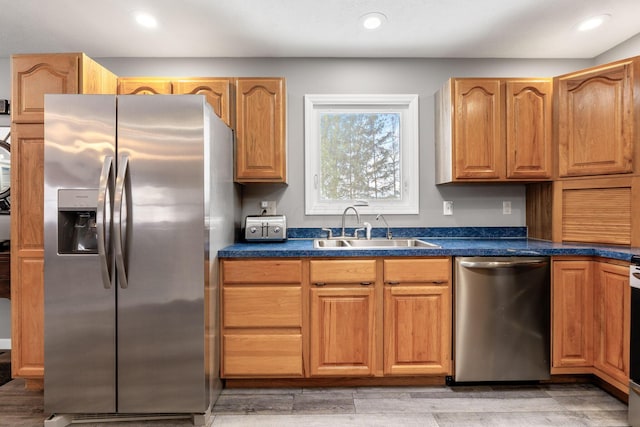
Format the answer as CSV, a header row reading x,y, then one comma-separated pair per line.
x,y
360,156
361,149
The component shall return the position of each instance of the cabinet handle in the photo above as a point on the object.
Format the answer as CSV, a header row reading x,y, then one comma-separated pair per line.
x,y
319,283
393,283
438,282
365,283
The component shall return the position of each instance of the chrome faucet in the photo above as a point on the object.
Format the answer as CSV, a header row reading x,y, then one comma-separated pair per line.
x,y
389,235
344,214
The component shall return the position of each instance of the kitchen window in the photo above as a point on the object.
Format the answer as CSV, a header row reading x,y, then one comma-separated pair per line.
x,y
361,150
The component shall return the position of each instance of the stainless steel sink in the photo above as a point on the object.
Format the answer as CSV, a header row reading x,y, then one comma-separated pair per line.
x,y
350,243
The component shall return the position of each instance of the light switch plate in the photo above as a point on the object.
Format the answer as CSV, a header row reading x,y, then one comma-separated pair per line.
x,y
447,207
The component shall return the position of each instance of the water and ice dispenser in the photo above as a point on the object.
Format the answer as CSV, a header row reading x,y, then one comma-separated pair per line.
x,y
77,233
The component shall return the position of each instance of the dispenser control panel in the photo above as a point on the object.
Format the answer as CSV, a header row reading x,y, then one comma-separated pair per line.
x,y
77,232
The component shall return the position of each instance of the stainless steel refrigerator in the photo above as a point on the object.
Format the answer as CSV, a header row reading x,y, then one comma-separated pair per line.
x,y
138,198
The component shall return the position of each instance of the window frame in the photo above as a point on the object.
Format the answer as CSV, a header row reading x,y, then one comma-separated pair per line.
x,y
404,104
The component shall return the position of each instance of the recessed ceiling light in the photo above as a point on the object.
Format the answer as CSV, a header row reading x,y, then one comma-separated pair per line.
x,y
593,22
373,20
146,20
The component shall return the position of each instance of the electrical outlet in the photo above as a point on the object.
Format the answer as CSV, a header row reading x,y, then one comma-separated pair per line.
x,y
506,207
268,207
447,207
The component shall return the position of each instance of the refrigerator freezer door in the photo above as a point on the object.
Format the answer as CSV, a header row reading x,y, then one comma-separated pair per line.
x,y
80,359
161,313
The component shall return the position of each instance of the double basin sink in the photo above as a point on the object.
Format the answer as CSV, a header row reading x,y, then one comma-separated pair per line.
x,y
352,243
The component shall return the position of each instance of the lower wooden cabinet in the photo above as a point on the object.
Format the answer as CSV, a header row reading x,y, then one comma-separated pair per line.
x,y
572,304
591,319
342,317
262,354
328,318
261,318
612,334
417,316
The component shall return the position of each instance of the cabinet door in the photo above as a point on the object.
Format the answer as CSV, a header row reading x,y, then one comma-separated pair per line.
x,y
595,121
35,75
477,130
572,314
217,92
342,331
143,86
612,321
260,130
417,330
528,128
27,263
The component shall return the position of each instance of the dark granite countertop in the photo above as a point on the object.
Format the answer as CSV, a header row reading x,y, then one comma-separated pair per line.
x,y
474,244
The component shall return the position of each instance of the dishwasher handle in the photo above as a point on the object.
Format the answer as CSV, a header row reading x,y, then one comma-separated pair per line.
x,y
504,264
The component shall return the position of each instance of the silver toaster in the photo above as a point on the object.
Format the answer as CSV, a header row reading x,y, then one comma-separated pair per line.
x,y
265,228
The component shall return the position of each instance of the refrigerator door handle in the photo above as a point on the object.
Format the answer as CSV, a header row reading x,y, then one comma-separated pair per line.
x,y
121,267
104,199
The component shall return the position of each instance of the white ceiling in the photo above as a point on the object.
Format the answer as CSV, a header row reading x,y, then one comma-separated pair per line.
x,y
316,28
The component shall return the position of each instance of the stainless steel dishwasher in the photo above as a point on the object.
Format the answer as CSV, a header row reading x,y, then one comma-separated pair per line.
x,y
502,319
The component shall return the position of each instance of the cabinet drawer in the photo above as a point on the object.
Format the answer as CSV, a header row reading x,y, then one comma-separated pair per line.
x,y
262,355
417,270
343,271
252,306
262,271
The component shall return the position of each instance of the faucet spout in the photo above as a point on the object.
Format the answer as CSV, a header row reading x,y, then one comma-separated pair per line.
x,y
344,214
389,235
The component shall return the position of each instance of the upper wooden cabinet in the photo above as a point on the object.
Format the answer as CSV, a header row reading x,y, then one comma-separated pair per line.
x,y
491,129
469,143
217,91
33,76
529,128
596,120
260,130
37,74
144,86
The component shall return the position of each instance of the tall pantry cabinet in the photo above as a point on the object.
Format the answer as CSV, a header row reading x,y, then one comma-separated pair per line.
x,y
33,75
